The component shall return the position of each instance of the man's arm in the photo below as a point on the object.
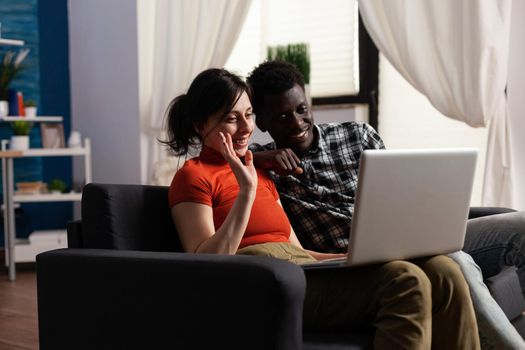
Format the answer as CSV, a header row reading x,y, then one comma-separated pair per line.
x,y
370,138
283,161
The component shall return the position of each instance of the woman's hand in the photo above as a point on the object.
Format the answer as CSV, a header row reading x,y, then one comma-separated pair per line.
x,y
283,161
316,255
245,174
325,256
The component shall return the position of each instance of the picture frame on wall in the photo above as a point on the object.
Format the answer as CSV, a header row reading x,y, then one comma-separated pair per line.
x,y
52,135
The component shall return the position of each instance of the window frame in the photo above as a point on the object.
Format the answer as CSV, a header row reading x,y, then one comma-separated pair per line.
x,y
368,79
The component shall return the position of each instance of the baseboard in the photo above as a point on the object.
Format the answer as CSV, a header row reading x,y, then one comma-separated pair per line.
x,y
24,266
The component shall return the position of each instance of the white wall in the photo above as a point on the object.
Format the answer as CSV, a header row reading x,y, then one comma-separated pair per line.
x,y
516,98
104,86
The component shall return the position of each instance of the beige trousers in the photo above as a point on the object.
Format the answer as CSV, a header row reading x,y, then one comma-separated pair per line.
x,y
420,304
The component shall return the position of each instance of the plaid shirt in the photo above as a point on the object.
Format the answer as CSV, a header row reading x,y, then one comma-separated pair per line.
x,y
320,202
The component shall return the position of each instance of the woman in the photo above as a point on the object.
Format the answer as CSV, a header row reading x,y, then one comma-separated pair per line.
x,y
229,207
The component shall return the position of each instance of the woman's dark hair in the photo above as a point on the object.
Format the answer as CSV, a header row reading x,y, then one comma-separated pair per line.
x,y
272,78
212,91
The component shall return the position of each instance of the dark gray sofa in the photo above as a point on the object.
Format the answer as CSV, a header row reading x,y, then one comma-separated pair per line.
x,y
124,283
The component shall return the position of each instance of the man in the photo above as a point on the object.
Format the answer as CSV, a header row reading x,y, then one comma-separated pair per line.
x,y
315,169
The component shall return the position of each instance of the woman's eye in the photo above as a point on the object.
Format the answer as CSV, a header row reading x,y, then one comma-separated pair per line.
x,y
250,115
282,116
231,119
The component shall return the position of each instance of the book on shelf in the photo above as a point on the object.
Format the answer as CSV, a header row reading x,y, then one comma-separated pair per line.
x,y
16,103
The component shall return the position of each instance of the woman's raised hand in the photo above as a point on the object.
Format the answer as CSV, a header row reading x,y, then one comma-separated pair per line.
x,y
245,174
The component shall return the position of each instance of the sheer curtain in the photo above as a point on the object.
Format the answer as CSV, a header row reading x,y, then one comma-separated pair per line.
x,y
455,53
177,40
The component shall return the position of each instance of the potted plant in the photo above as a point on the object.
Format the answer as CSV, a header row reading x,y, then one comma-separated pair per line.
x,y
10,66
20,138
57,186
30,108
297,54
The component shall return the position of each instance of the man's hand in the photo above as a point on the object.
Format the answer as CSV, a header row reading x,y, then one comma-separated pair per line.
x,y
283,161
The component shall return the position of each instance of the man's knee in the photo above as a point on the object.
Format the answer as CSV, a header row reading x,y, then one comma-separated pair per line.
x,y
445,276
407,276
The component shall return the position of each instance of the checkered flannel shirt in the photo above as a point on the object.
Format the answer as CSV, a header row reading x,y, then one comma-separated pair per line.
x,y
320,202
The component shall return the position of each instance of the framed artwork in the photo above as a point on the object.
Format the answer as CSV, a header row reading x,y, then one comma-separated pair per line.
x,y
52,135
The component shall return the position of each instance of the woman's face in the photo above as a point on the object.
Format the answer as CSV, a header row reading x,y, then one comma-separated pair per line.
x,y
239,123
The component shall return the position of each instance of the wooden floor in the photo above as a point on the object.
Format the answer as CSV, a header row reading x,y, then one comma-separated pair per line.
x,y
18,311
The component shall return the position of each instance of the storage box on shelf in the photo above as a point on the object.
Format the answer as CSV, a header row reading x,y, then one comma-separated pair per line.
x,y
25,250
38,242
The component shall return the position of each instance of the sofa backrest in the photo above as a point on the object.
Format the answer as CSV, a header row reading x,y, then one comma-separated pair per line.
x,y
131,217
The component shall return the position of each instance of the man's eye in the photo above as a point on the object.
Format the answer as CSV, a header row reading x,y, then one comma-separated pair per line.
x,y
302,110
282,116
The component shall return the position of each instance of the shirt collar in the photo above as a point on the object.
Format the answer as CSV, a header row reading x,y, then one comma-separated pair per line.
x,y
210,155
319,144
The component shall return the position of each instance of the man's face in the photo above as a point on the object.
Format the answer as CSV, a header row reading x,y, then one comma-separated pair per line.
x,y
288,119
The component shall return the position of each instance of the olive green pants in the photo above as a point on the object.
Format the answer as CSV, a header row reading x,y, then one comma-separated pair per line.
x,y
419,304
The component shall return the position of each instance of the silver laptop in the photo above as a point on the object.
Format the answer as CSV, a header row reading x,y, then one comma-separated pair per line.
x,y
409,204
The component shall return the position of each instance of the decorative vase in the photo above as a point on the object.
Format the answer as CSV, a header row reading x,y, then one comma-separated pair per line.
x,y
19,142
4,108
74,140
30,111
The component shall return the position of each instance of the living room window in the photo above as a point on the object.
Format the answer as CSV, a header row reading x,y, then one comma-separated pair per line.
x,y
330,28
344,61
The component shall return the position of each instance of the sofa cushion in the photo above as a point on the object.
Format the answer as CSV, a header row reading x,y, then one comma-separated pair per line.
x,y
505,288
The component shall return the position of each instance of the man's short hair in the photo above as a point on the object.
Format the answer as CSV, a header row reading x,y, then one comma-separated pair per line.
x,y
272,78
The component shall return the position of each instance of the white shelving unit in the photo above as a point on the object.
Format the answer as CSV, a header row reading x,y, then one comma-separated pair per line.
x,y
39,119
22,250
47,197
11,42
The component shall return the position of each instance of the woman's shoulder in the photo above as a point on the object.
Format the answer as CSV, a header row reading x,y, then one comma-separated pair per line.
x,y
199,172
191,183
192,170
190,165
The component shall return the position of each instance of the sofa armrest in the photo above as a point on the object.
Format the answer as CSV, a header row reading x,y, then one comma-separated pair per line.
x,y
109,299
476,212
74,234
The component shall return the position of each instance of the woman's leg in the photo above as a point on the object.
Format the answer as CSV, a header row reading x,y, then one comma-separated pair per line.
x,y
394,297
453,320
496,332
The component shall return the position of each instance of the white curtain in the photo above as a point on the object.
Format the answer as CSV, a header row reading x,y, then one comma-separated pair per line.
x,y
455,53
177,40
